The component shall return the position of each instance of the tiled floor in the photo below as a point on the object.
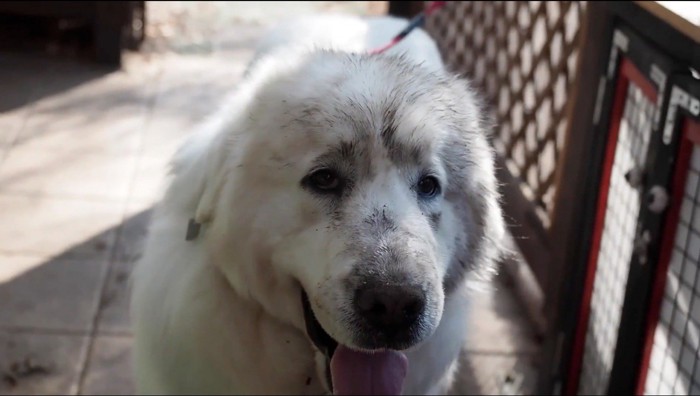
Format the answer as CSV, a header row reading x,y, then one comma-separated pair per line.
x,y
82,159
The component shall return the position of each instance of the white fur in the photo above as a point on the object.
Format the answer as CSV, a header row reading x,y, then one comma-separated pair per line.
x,y
221,314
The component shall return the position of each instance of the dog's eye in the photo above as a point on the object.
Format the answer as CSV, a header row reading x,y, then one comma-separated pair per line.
x,y
428,186
324,180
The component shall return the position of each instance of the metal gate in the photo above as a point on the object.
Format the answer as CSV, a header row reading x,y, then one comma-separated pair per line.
x,y
632,94
672,342
629,312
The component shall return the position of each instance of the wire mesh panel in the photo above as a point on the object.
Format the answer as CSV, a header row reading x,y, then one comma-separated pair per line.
x,y
673,366
617,242
670,362
522,55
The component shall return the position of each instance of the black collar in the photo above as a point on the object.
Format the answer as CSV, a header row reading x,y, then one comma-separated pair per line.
x,y
322,340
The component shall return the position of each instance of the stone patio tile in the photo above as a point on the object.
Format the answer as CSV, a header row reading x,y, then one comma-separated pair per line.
x,y
11,123
109,370
22,75
114,314
65,228
70,174
40,364
105,115
108,128
114,306
133,231
45,293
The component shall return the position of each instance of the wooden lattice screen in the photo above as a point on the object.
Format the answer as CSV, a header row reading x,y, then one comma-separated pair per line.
x,y
522,56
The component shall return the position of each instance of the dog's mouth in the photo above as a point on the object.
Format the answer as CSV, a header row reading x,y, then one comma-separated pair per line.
x,y
353,372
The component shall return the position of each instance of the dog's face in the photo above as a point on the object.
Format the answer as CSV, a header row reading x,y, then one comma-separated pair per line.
x,y
369,182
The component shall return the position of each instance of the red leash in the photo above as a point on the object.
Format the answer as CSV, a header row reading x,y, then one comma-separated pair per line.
x,y
417,21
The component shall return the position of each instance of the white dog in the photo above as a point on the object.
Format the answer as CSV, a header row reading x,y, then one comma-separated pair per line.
x,y
344,200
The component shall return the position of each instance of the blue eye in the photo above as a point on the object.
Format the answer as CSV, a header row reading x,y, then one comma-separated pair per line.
x,y
428,186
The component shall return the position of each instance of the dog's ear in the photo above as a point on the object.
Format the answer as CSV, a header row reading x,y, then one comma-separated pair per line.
x,y
209,154
201,165
212,182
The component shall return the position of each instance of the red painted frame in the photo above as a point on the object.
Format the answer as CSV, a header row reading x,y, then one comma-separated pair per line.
x,y
628,72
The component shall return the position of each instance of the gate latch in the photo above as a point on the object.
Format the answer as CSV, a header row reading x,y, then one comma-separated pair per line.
x,y
635,177
657,199
641,244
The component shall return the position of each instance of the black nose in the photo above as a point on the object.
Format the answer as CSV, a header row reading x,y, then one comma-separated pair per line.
x,y
390,309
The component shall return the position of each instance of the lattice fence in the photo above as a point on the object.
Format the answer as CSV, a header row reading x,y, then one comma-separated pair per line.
x,y
522,55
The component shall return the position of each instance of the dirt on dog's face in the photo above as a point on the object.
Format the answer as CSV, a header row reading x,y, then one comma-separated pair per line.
x,y
380,278
363,172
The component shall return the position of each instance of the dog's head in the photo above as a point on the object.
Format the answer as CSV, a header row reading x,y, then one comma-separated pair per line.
x,y
368,182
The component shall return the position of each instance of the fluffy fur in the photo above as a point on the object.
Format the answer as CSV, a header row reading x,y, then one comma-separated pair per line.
x,y
222,313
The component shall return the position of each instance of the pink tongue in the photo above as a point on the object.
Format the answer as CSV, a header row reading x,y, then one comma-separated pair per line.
x,y
364,373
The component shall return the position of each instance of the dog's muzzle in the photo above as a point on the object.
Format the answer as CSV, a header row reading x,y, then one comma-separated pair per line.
x,y
351,371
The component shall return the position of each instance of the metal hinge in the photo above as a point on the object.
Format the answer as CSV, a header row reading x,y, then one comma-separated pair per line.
x,y
599,100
